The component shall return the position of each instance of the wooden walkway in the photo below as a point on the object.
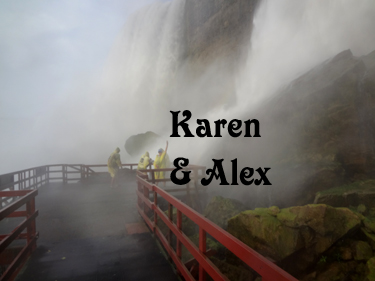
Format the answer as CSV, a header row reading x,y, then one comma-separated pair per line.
x,y
86,234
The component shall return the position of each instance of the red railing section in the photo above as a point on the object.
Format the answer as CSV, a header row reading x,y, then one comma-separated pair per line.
x,y
265,268
26,201
35,177
18,191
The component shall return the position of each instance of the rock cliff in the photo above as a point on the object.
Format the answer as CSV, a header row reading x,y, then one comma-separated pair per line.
x,y
318,132
217,28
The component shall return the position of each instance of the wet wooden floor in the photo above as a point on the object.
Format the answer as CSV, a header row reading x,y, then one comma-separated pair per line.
x,y
86,234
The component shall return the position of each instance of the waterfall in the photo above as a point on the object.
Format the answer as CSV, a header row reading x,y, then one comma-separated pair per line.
x,y
290,37
144,76
143,63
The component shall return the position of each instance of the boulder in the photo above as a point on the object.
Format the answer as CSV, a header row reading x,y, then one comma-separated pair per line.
x,y
353,194
370,237
362,250
313,136
370,270
296,233
219,210
137,145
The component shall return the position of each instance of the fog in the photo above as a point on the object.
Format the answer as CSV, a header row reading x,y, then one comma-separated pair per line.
x,y
132,89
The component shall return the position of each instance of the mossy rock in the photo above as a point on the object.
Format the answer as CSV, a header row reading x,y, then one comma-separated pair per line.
x,y
370,237
219,210
295,233
355,194
362,250
370,270
369,223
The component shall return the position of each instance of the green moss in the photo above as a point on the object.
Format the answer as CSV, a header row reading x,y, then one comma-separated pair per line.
x,y
370,269
369,224
362,250
286,216
368,185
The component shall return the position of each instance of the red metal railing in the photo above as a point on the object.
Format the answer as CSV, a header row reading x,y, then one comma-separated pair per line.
x,y
20,188
27,199
35,177
265,268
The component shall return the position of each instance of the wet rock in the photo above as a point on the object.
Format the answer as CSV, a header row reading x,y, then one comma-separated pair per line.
x,y
370,270
219,210
295,233
361,250
273,211
353,194
137,145
361,209
316,138
370,237
345,253
369,223
216,29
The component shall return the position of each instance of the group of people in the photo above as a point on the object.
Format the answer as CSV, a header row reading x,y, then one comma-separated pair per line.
x,y
161,161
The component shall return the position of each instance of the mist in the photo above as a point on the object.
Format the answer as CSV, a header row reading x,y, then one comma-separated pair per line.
x,y
145,75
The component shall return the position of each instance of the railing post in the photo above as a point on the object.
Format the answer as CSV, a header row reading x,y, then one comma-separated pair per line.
x,y
179,226
202,249
64,169
146,193
189,201
170,216
153,177
47,174
139,201
20,179
155,206
31,228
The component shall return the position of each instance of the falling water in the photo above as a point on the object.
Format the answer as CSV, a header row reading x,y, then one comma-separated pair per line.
x,y
144,76
289,37
143,64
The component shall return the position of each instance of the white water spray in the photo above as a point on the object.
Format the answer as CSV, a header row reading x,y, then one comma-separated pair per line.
x,y
139,85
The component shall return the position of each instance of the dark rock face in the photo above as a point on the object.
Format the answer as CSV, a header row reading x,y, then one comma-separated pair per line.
x,y
327,108
331,114
219,210
296,234
137,145
217,28
350,195
318,132
216,38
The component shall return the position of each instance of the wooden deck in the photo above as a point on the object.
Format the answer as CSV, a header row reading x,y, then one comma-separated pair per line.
x,y
89,231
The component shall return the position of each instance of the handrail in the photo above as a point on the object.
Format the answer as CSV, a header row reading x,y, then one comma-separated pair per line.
x,y
265,268
35,177
27,198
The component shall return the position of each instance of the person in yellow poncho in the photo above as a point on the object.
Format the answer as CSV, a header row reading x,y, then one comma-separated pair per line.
x,y
114,164
161,161
144,161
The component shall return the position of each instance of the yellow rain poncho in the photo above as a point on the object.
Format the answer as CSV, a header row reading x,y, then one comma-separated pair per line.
x,y
144,161
161,161
114,162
